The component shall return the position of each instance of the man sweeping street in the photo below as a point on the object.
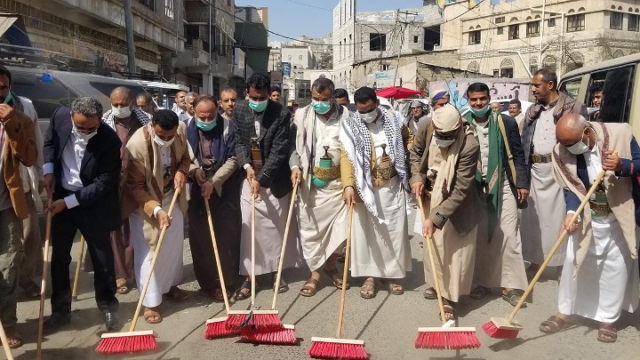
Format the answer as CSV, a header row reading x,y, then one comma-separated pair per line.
x,y
542,219
443,167
159,163
502,174
315,164
374,177
261,127
600,275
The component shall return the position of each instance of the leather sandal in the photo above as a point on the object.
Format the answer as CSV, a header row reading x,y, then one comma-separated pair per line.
x,y
176,294
308,290
282,287
244,292
480,292
30,288
218,296
513,297
607,333
152,313
13,337
394,287
122,286
368,289
336,279
554,324
430,294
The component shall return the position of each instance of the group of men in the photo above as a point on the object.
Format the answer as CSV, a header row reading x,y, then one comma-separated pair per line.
x,y
493,198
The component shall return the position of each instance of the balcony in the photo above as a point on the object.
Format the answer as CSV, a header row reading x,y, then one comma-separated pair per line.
x,y
197,12
195,57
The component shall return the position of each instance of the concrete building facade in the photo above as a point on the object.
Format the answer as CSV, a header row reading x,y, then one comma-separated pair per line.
x,y
300,57
513,39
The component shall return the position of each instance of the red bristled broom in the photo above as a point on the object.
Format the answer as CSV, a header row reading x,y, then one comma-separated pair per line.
x,y
285,335
443,338
136,341
501,328
257,320
328,348
216,327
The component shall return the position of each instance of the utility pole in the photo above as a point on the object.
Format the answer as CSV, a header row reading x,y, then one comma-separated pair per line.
x,y
395,76
209,89
544,4
131,46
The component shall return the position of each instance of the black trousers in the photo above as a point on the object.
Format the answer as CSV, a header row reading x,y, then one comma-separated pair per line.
x,y
63,230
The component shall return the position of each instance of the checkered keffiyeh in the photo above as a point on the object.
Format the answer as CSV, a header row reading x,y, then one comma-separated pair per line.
x,y
356,140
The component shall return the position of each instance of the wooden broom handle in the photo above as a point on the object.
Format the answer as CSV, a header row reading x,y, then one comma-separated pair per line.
x,y
74,293
559,242
217,255
134,321
253,250
5,343
436,283
43,284
347,257
284,245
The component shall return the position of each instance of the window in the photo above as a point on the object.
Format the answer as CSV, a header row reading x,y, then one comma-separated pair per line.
x,y
350,42
415,39
299,57
572,87
506,72
551,23
500,30
474,37
500,20
514,32
615,20
533,29
168,8
533,69
377,42
47,96
634,22
617,94
575,23
431,37
151,4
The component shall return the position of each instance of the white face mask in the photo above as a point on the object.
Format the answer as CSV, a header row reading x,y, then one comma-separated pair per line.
x,y
84,136
121,112
579,148
369,117
444,143
162,143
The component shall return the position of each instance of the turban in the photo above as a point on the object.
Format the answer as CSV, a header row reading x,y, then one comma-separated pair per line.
x,y
446,118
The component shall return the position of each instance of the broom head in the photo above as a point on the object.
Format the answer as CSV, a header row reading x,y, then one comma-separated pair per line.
x,y
217,328
284,336
447,338
501,328
257,319
329,348
127,342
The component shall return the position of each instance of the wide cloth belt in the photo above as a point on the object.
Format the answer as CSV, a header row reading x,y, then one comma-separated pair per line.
x,y
535,158
331,173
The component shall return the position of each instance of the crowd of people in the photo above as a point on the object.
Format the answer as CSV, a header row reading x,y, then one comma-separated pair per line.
x,y
497,192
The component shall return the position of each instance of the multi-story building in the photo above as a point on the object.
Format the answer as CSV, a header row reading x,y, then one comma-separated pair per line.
x,y
91,32
252,37
514,39
300,57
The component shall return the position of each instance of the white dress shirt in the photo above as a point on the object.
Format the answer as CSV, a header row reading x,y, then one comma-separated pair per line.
x,y
72,156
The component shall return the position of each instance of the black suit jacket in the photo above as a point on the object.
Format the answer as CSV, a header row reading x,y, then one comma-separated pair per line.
x,y
99,171
274,146
517,152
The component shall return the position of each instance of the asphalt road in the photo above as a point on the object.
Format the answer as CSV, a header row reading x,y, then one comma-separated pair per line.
x,y
388,324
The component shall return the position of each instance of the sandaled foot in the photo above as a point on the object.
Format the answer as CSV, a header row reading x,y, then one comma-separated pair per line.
x,y
245,291
449,310
30,288
284,287
122,286
176,294
480,292
554,324
13,337
152,316
310,288
607,333
219,297
368,289
513,297
336,278
394,287
430,294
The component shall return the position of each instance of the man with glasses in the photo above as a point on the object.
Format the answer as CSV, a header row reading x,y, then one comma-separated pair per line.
x,y
443,161
81,172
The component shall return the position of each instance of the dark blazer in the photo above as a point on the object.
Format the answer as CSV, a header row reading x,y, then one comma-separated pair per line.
x,y
274,146
99,172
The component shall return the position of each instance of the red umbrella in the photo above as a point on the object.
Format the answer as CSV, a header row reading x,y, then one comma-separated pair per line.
x,y
397,92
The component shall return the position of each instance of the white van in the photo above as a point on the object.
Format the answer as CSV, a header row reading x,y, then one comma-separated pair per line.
x,y
619,79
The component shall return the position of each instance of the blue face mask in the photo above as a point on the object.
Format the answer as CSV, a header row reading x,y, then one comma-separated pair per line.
x,y
205,126
258,106
321,107
480,113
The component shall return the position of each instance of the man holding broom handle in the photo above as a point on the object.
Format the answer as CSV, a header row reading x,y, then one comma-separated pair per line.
x,y
315,165
159,163
600,273
213,144
443,160
82,170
